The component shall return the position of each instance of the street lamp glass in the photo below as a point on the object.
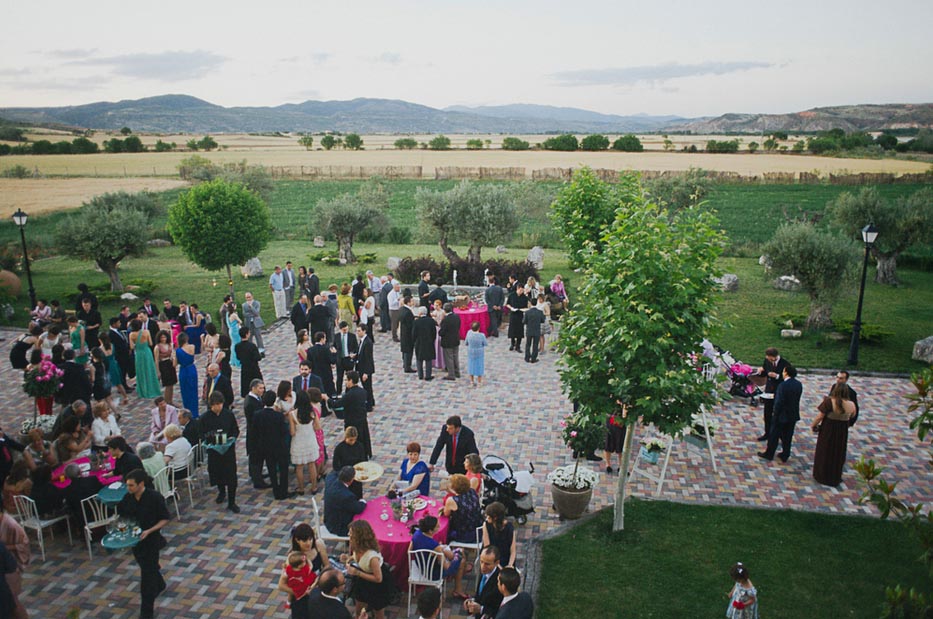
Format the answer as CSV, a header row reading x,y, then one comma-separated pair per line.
x,y
20,217
869,234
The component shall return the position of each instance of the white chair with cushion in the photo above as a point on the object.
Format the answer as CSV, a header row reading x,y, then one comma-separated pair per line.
x,y
423,567
29,519
165,479
96,515
476,546
192,478
322,531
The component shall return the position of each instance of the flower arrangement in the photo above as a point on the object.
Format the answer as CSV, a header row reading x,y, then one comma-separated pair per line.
x,y
654,444
696,426
43,380
44,423
573,477
581,434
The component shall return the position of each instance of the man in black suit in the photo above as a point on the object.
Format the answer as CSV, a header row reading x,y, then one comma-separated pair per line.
x,y
495,299
271,439
458,440
515,604
92,321
842,376
533,320
772,367
450,342
323,602
149,309
347,347
221,467
306,379
353,405
169,310
121,350
299,315
406,325
191,430
340,504
149,324
313,285
424,333
488,597
79,489
438,294
219,383
424,289
251,404
318,318
366,365
76,385
786,415
249,356
322,360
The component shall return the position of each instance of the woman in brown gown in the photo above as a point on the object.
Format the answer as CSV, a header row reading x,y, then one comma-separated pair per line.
x,y
832,423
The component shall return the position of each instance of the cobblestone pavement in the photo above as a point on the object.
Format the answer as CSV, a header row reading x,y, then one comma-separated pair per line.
x,y
224,565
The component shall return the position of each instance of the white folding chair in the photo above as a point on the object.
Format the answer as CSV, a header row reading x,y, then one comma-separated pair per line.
x,y
191,478
322,531
477,546
96,514
425,569
29,519
164,482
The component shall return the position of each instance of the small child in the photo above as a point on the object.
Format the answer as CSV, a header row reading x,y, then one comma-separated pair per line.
x,y
743,600
296,580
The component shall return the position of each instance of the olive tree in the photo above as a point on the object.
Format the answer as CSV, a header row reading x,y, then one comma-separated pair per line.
x,y
678,191
657,268
218,224
353,141
901,224
344,217
825,264
108,229
478,214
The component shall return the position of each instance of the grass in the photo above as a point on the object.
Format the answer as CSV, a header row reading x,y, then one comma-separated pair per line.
x,y
673,560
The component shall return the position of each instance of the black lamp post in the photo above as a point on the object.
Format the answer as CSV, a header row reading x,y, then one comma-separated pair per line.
x,y
869,234
20,218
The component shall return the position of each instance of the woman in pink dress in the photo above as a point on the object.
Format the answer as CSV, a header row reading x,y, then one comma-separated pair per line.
x,y
316,399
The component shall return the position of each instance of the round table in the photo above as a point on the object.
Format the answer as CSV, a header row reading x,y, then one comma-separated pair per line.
x,y
394,536
103,474
112,496
470,315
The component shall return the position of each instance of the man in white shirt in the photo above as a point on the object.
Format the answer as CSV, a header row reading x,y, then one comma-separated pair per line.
x,y
395,301
277,286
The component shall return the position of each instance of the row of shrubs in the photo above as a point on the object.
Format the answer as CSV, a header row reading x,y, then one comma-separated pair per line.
x,y
468,273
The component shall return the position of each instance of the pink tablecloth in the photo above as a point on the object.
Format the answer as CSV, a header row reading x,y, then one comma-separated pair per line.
x,y
60,481
468,316
394,537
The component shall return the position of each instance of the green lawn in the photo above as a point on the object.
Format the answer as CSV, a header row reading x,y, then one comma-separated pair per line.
x,y
673,560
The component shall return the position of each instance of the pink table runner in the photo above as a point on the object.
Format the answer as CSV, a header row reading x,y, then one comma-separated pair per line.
x,y
60,481
394,536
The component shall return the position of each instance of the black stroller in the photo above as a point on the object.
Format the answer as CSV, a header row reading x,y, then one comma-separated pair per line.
x,y
511,488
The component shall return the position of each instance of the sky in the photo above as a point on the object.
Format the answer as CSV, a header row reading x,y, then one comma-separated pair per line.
x,y
667,57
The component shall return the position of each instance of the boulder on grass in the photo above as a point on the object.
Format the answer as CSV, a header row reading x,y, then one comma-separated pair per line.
x,y
392,263
252,268
923,350
536,257
500,249
318,241
791,333
729,282
128,296
786,282
159,243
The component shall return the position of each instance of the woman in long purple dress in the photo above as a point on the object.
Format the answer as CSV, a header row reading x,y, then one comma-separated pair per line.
x,y
832,423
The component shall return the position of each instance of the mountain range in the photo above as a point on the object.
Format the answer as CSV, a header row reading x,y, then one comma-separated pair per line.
x,y
187,114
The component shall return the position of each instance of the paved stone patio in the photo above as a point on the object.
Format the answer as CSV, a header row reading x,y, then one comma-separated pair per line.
x,y
220,565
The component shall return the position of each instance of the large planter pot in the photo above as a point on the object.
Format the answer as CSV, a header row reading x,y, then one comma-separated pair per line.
x,y
44,405
651,457
570,504
696,441
12,282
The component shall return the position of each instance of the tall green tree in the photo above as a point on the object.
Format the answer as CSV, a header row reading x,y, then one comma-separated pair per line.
x,y
595,141
439,142
630,143
901,223
307,141
678,191
346,216
658,269
353,141
825,264
328,141
108,229
477,214
218,224
406,143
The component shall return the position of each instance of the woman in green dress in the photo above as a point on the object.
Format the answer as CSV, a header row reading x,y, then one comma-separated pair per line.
x,y
76,336
147,381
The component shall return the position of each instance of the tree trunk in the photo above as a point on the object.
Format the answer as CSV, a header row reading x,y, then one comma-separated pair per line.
x,y
821,315
230,282
618,518
345,249
110,268
887,269
473,253
452,256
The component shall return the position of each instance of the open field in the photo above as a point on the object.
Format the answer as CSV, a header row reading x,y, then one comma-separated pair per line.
x,y
46,195
293,156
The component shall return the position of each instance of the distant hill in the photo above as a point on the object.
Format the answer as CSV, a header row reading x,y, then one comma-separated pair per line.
x,y
594,121
182,113
847,117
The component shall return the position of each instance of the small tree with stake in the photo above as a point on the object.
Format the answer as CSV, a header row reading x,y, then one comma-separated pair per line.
x,y
218,224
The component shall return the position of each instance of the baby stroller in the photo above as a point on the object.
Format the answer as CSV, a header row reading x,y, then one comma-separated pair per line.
x,y
512,489
745,381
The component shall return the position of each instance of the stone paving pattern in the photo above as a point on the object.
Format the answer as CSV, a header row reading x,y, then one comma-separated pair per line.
x,y
223,565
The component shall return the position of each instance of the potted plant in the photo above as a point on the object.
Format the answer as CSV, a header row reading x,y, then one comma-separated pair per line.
x,y
572,485
42,382
651,449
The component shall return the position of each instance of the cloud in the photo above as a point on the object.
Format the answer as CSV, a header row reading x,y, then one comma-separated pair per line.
x,y
388,58
321,57
165,66
652,74
304,95
72,53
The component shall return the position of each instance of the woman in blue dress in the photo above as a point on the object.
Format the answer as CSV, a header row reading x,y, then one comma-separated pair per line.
x,y
233,325
414,472
187,374
476,354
